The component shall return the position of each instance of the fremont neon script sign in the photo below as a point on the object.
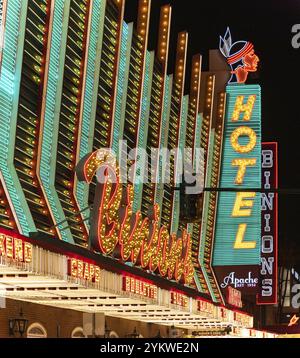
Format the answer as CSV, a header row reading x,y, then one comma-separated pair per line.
x,y
116,230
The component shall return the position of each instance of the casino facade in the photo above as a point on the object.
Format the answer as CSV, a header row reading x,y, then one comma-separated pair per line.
x,y
79,257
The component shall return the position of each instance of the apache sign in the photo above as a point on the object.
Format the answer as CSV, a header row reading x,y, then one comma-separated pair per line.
x,y
243,278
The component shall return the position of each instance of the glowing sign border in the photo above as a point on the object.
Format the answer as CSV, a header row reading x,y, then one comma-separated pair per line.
x,y
273,230
249,111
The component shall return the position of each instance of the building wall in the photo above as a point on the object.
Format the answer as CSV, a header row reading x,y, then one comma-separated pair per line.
x,y
59,323
123,327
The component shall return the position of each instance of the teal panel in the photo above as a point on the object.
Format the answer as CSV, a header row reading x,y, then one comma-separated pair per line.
x,y
182,135
122,86
197,136
143,126
197,144
9,94
164,137
206,198
227,226
90,96
205,216
52,109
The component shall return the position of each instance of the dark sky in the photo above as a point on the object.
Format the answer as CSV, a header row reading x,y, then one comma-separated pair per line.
x,y
266,23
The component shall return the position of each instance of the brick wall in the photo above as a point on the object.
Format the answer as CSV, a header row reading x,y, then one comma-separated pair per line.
x,y
57,322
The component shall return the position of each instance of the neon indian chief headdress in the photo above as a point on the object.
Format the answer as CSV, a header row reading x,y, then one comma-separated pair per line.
x,y
240,56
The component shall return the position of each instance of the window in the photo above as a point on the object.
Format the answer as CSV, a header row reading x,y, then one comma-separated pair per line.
x,y
77,333
113,334
36,330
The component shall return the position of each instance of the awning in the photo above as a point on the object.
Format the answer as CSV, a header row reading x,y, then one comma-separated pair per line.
x,y
31,273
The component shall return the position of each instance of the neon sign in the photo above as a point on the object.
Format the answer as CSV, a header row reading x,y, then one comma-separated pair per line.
x,y
223,313
238,224
15,249
205,307
234,297
269,242
139,287
243,319
83,270
179,299
293,321
116,229
240,56
239,282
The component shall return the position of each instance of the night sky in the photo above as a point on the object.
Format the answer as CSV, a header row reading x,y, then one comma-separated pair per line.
x,y
267,24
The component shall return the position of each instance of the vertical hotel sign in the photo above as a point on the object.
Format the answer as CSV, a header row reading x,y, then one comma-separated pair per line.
x,y
267,293
236,255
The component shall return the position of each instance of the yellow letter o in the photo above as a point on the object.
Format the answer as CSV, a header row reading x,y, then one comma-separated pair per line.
x,y
246,131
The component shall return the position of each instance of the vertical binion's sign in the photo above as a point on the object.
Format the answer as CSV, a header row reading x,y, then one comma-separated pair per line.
x,y
238,224
267,293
